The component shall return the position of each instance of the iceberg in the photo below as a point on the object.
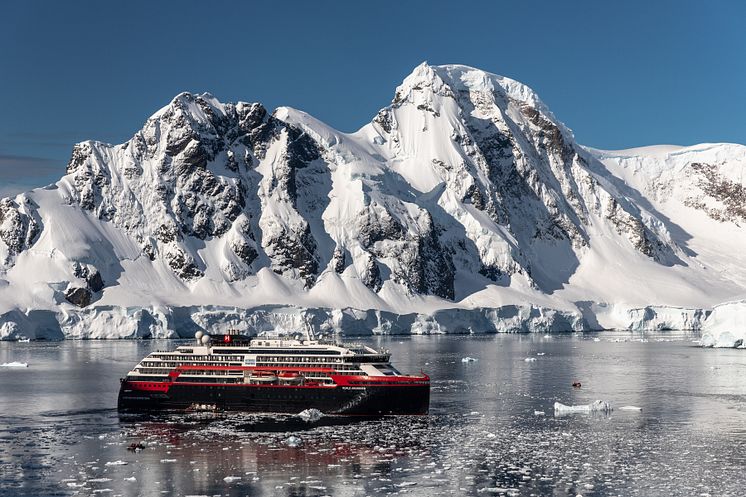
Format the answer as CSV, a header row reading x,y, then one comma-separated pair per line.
x,y
595,406
726,326
14,365
293,441
310,415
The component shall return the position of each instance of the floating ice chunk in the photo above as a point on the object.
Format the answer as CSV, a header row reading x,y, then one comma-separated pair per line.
x,y
539,413
130,478
630,408
530,359
293,441
595,406
14,365
168,460
231,479
116,463
310,415
469,359
540,353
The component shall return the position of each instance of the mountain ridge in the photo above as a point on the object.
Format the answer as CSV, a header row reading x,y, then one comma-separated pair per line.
x,y
464,193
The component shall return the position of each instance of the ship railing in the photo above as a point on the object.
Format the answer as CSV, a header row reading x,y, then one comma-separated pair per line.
x,y
357,346
184,368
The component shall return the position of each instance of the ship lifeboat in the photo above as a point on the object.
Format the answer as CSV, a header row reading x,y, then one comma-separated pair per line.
x,y
290,377
263,377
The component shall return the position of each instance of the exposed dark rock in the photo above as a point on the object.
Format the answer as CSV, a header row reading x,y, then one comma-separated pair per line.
x,y
301,148
244,251
78,296
385,120
371,275
293,251
438,271
378,225
730,194
550,135
166,233
81,152
183,265
428,108
339,262
18,226
90,274
492,272
636,232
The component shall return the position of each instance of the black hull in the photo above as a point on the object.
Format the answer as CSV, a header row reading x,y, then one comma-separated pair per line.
x,y
339,400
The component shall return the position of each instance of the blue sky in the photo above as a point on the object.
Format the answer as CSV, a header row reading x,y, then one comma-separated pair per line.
x,y
620,74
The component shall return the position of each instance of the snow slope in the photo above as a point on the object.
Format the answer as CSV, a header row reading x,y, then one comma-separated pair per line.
x,y
464,206
699,191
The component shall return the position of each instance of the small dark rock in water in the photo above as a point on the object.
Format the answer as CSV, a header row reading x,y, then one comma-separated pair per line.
x,y
576,384
136,446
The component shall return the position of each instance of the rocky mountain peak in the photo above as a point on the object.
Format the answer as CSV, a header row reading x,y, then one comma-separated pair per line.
x,y
466,183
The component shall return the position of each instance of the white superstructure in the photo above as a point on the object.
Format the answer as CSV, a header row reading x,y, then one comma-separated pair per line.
x,y
213,359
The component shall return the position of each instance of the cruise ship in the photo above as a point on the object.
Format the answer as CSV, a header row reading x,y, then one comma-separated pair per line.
x,y
273,375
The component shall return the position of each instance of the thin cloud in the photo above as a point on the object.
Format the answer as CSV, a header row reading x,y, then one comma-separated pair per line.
x,y
20,173
52,140
11,190
15,167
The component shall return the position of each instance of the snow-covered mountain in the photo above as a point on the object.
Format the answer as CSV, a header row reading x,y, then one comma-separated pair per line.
x,y
464,206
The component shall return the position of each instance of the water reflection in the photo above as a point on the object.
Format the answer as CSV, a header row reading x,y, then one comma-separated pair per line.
x,y
59,433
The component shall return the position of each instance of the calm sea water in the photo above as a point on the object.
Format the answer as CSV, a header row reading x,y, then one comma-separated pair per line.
x,y
60,433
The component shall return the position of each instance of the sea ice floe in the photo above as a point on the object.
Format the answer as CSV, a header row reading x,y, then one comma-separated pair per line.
x,y
469,359
406,484
310,415
630,408
530,359
293,441
116,463
231,479
14,365
595,406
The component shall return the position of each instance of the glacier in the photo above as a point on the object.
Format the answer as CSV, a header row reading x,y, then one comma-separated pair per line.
x,y
464,206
